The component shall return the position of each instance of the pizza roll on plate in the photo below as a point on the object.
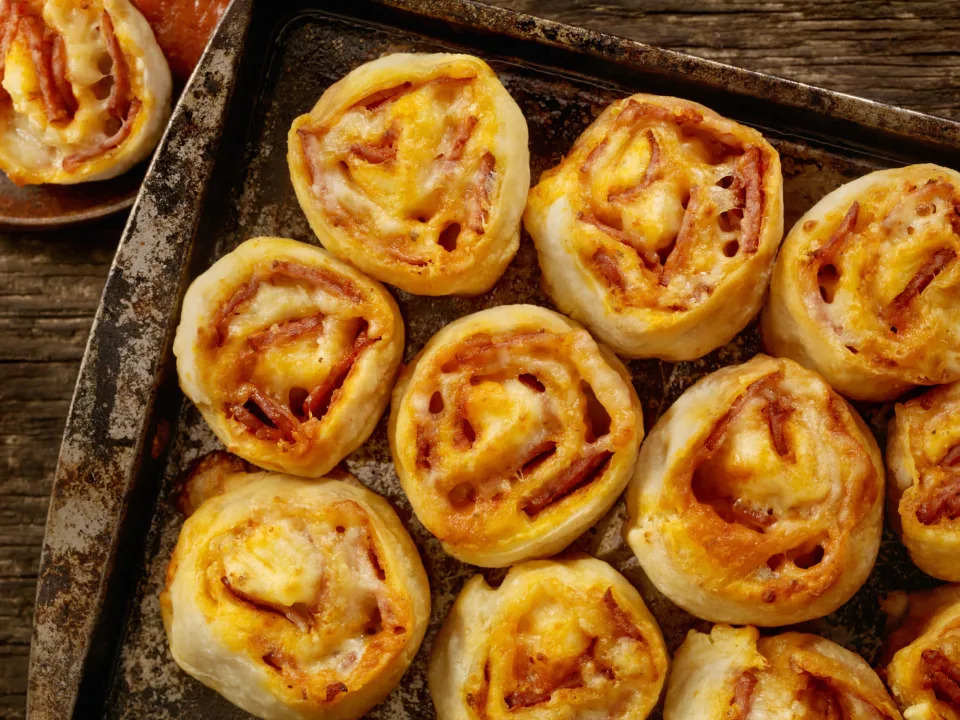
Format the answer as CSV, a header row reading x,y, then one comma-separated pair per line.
x,y
734,674
758,497
866,290
84,90
563,639
289,354
295,599
512,432
659,229
923,456
415,168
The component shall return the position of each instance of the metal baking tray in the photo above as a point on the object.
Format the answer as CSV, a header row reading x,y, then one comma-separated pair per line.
x,y
220,176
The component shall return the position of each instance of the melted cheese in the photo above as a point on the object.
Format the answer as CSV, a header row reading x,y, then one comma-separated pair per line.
x,y
641,233
414,167
923,434
566,639
512,433
865,287
793,675
296,599
319,328
34,146
757,497
930,625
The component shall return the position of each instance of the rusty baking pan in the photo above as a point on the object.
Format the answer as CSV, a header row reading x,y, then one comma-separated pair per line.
x,y
220,176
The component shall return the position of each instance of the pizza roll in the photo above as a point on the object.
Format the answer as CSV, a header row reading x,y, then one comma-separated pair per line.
x,y
923,455
84,90
512,432
296,599
289,354
734,674
758,497
558,639
924,653
659,229
415,168
866,287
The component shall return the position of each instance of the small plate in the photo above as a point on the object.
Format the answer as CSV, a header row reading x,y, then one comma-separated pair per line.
x,y
47,207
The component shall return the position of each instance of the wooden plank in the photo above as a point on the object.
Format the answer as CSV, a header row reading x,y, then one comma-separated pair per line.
x,y
906,53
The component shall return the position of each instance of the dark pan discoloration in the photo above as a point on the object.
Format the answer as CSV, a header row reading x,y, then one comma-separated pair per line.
x,y
288,62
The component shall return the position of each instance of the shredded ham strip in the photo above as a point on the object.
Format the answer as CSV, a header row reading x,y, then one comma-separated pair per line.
x,y
942,503
478,196
942,676
624,625
775,411
577,474
650,175
381,151
934,265
831,249
743,695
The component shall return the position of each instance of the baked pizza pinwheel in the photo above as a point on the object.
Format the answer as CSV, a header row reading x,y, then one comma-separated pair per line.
x,y
84,90
758,497
924,671
659,229
867,287
289,354
563,640
415,168
296,599
734,674
512,432
923,457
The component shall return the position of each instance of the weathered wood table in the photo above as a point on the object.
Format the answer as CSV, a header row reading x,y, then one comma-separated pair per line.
x,y
906,53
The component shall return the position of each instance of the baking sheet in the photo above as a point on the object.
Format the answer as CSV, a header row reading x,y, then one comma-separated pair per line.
x,y
290,59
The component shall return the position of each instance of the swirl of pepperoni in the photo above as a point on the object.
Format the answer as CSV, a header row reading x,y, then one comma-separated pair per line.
x,y
560,639
659,229
294,598
865,289
414,167
289,354
512,432
84,90
923,454
734,674
757,498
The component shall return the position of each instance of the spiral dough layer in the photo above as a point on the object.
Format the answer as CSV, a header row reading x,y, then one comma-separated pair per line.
x,y
866,287
734,674
659,229
414,167
758,497
923,454
512,432
563,640
84,90
289,354
924,672
295,599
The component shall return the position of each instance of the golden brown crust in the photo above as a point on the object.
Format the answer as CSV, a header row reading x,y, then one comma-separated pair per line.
x,y
289,354
414,167
864,290
659,229
512,432
296,598
758,497
924,672
733,674
566,639
923,455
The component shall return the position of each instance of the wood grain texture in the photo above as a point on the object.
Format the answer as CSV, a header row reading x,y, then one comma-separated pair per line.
x,y
905,53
